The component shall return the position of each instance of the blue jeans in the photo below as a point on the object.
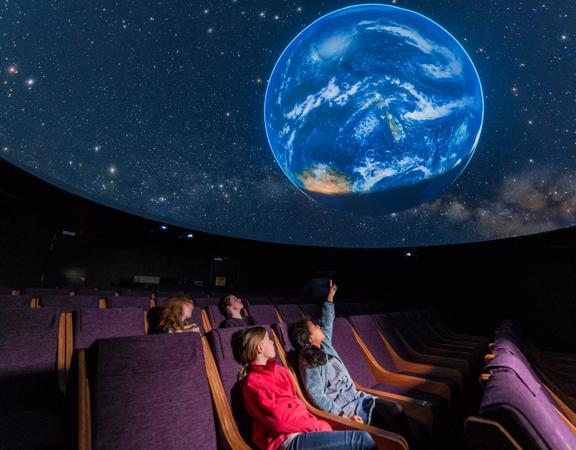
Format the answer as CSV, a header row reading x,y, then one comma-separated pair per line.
x,y
333,440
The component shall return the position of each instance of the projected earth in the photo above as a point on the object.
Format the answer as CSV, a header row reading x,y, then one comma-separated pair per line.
x,y
373,109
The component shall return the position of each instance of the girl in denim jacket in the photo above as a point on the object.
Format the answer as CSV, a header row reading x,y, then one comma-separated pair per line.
x,y
327,381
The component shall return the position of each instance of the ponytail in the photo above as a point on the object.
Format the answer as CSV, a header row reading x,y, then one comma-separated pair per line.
x,y
245,347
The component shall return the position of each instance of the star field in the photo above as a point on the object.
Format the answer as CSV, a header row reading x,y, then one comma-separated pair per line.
x,y
156,108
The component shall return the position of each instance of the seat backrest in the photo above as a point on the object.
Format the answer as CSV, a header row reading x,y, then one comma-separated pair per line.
x,y
285,300
312,310
38,292
263,314
521,409
129,302
150,392
203,302
368,331
345,344
220,341
259,300
11,301
91,324
214,315
67,303
28,358
390,334
290,312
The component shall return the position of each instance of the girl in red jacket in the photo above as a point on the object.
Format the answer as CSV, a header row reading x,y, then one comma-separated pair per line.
x,y
281,420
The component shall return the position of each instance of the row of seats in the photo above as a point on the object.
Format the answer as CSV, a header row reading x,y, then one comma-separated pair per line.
x,y
144,302
529,399
134,390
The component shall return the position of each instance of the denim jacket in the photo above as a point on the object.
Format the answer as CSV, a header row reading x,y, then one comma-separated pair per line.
x,y
329,385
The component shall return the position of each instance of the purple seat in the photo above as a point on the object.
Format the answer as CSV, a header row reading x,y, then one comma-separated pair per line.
x,y
203,302
521,407
285,300
144,388
67,303
349,350
263,314
214,316
30,406
91,324
368,331
312,310
38,292
414,338
11,301
290,312
220,341
259,300
398,344
129,302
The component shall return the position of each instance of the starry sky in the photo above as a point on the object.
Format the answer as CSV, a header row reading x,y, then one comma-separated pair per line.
x,y
155,107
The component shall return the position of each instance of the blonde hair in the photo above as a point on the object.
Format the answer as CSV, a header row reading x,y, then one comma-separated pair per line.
x,y
171,317
245,347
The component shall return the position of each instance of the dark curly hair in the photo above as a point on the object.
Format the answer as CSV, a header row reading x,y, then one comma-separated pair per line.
x,y
300,339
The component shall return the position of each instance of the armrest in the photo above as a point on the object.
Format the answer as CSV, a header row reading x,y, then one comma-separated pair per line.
x,y
205,320
489,357
416,409
225,418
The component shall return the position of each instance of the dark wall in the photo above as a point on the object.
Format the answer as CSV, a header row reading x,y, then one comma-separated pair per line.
x,y
475,285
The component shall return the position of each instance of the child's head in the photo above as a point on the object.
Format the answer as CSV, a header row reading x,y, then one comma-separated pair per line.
x,y
306,336
176,312
252,345
230,303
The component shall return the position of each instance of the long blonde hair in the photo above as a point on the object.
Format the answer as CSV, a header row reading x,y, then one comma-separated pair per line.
x,y
171,317
245,347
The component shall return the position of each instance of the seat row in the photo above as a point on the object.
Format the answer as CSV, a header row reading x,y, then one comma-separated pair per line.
x,y
132,390
529,399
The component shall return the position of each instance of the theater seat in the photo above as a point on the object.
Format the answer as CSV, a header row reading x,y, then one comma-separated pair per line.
x,y
428,380
290,313
67,303
32,368
405,350
144,303
11,301
515,413
149,392
263,314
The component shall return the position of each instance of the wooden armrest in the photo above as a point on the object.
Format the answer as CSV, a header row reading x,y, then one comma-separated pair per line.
x,y
102,303
489,357
226,420
84,419
206,321
61,356
479,431
417,409
491,346
483,379
407,381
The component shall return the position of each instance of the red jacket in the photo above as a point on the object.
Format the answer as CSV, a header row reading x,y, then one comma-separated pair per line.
x,y
271,400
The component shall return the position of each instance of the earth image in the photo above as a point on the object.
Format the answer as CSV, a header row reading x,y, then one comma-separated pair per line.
x,y
373,109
